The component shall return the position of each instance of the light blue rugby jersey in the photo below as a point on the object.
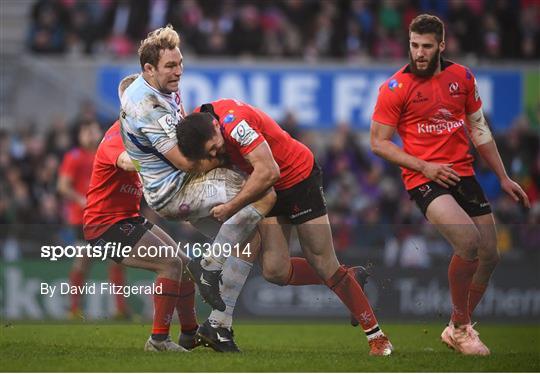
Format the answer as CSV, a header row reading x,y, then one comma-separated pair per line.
x,y
148,121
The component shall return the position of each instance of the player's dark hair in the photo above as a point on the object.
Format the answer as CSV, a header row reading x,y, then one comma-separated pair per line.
x,y
428,24
192,134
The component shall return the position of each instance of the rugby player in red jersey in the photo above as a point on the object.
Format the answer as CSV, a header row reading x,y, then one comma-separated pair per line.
x,y
73,180
433,104
112,215
255,143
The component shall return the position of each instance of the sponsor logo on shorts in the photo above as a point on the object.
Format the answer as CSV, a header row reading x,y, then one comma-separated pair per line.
x,y
483,205
425,190
301,213
321,190
127,228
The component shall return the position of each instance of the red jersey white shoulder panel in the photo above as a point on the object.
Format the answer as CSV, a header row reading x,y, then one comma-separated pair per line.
x,y
432,117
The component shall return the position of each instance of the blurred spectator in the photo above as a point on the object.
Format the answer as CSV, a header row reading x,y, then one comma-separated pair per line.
x,y
124,24
246,37
83,30
48,29
462,24
311,29
491,37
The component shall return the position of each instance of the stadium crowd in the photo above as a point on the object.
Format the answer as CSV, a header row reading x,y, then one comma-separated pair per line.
x,y
301,29
364,194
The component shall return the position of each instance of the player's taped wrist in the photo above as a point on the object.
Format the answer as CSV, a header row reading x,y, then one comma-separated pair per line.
x,y
479,129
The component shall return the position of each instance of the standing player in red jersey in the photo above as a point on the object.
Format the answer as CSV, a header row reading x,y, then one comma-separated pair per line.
x,y
112,215
430,102
255,143
73,182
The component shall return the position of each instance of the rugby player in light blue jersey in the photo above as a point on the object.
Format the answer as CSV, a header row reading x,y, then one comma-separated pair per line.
x,y
180,189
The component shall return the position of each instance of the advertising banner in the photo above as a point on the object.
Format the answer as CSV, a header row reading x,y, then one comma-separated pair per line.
x,y
395,293
319,97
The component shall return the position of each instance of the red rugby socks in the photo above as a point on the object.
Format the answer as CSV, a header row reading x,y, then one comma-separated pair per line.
x,y
476,291
185,307
116,277
301,273
76,278
460,274
164,304
349,291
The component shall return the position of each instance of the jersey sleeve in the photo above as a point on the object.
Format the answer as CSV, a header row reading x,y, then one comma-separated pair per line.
x,y
112,148
473,102
159,128
68,168
244,133
389,102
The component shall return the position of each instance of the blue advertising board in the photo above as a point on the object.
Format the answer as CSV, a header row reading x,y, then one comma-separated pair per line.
x,y
320,97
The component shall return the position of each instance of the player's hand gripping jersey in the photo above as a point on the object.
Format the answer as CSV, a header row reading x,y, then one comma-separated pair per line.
x,y
245,127
148,127
114,194
430,116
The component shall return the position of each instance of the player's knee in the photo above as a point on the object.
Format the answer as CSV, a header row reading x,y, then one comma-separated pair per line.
x,y
490,260
276,276
470,243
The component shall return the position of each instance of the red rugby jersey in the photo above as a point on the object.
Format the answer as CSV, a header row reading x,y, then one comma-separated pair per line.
x,y
77,166
114,194
430,116
245,127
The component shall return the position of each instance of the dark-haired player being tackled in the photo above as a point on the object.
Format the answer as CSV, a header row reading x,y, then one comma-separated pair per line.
x,y
255,142
430,102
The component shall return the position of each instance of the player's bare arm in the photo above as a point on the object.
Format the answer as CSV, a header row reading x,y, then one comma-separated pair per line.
x,y
181,162
191,166
485,145
65,188
383,146
265,174
124,162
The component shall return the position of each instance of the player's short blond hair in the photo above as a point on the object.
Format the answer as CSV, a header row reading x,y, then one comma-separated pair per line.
x,y
156,41
124,84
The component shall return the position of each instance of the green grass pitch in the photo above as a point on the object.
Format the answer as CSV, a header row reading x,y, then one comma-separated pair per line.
x,y
291,347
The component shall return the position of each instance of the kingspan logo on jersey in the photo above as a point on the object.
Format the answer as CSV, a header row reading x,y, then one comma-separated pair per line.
x,y
442,122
